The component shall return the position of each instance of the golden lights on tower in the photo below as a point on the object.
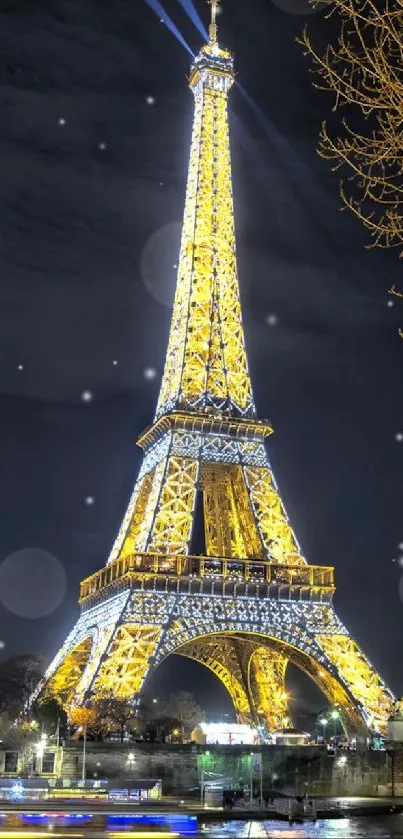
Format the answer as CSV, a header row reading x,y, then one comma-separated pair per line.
x,y
250,603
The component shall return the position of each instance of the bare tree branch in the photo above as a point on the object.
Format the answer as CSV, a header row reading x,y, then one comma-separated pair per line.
x,y
363,69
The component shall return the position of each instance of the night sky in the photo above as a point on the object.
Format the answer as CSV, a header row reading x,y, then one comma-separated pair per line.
x,y
96,120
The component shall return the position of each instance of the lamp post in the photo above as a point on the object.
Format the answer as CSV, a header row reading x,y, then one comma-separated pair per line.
x,y
261,780
335,716
323,721
84,751
40,748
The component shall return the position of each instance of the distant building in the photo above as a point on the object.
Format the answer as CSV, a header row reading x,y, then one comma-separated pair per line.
x,y
228,734
290,737
395,724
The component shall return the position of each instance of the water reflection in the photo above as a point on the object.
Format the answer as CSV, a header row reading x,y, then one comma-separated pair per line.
x,y
113,826
386,827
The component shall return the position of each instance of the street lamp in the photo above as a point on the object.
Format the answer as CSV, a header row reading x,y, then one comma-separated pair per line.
x,y
335,714
40,748
323,721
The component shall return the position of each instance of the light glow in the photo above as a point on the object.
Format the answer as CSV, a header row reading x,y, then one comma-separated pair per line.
x,y
253,596
228,733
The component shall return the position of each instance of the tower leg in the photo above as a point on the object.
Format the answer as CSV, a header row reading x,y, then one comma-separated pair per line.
x,y
160,514
254,676
275,530
221,657
367,690
127,661
108,652
267,669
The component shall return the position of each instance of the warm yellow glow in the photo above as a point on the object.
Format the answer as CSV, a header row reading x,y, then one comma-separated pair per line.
x,y
267,669
206,362
360,678
221,656
140,834
251,604
9,833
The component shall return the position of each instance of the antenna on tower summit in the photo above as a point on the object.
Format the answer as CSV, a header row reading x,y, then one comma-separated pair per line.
x,y
213,25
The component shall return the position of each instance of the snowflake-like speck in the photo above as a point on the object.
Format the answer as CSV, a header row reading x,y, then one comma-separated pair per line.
x,y
87,396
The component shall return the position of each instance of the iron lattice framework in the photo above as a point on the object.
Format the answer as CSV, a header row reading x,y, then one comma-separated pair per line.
x,y
251,604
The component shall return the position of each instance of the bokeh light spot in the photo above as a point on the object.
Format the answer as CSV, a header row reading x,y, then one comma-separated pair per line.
x,y
32,583
87,396
160,253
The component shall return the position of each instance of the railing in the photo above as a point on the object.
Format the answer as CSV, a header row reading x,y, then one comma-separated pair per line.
x,y
223,568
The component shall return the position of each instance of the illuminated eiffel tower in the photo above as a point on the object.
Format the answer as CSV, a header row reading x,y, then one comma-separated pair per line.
x,y
251,604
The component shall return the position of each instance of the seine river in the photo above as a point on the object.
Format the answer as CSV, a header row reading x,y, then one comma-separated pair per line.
x,y
353,828
92,826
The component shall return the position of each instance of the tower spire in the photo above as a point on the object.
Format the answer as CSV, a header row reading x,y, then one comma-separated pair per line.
x,y
206,366
213,24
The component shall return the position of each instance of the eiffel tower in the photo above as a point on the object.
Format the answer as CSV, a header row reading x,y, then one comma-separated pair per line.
x,y
251,604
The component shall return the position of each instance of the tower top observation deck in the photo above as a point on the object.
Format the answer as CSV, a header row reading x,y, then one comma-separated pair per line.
x,y
213,59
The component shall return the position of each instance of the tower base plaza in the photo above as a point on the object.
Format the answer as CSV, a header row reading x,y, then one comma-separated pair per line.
x,y
250,604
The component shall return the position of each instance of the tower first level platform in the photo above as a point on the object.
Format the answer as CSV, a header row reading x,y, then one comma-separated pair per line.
x,y
244,620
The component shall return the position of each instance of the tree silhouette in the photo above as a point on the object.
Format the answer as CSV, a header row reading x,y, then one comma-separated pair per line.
x,y
362,67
